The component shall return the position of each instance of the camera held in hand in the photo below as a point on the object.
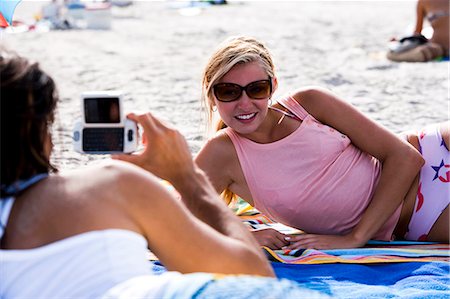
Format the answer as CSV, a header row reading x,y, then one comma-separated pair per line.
x,y
103,128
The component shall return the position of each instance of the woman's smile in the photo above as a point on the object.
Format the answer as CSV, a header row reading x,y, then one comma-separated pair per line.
x,y
248,117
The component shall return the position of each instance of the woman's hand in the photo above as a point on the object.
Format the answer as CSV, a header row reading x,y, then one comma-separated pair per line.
x,y
270,237
305,241
166,153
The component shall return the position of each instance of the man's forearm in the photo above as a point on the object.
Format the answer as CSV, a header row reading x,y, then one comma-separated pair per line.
x,y
202,200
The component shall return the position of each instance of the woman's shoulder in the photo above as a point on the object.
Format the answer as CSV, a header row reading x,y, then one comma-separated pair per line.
x,y
316,100
221,141
309,93
218,149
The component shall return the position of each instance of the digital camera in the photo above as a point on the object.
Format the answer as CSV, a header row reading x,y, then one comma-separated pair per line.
x,y
103,128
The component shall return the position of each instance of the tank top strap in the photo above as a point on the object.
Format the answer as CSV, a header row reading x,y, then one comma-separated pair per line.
x,y
235,138
292,105
6,203
20,185
5,209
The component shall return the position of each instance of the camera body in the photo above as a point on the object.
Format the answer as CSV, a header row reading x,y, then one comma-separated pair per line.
x,y
103,128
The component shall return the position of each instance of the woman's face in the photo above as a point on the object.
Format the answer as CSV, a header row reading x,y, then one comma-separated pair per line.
x,y
244,115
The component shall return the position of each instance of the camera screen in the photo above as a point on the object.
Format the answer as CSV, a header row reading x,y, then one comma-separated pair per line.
x,y
102,110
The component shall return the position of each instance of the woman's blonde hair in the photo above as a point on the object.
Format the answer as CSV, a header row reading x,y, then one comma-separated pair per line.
x,y
233,51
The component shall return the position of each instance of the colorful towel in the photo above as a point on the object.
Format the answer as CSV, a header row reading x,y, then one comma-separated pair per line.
x,y
390,254
374,251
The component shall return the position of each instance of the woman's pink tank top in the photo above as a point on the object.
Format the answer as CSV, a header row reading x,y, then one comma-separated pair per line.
x,y
315,179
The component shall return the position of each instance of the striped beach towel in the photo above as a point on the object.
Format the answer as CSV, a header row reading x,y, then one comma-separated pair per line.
x,y
392,253
373,252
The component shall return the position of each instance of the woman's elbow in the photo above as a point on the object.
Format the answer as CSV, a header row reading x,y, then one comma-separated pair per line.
x,y
414,159
408,159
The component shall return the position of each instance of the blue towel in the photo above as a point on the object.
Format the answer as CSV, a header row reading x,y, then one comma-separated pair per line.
x,y
405,280
210,286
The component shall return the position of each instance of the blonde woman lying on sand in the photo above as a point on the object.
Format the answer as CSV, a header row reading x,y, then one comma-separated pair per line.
x,y
85,233
313,162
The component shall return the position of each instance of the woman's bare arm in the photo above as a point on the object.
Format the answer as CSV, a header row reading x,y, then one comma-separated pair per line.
x,y
214,158
401,163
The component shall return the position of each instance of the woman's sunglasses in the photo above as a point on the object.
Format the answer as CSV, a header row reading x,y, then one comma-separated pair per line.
x,y
228,92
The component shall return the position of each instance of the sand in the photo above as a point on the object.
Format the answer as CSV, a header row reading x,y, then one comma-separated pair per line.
x,y
156,54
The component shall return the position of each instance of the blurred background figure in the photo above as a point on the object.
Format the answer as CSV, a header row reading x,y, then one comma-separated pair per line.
x,y
417,48
51,11
54,13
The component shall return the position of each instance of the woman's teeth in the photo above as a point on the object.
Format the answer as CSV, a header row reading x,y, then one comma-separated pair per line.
x,y
245,116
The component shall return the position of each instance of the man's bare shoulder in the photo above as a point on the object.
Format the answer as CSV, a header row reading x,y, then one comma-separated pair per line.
x,y
106,177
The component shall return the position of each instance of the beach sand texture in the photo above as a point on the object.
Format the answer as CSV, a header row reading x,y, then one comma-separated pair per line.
x,y
156,54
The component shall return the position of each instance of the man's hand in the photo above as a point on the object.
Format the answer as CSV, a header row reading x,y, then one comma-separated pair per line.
x,y
166,153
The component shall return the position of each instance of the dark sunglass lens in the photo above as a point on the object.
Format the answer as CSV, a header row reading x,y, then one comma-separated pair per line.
x,y
259,90
227,92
